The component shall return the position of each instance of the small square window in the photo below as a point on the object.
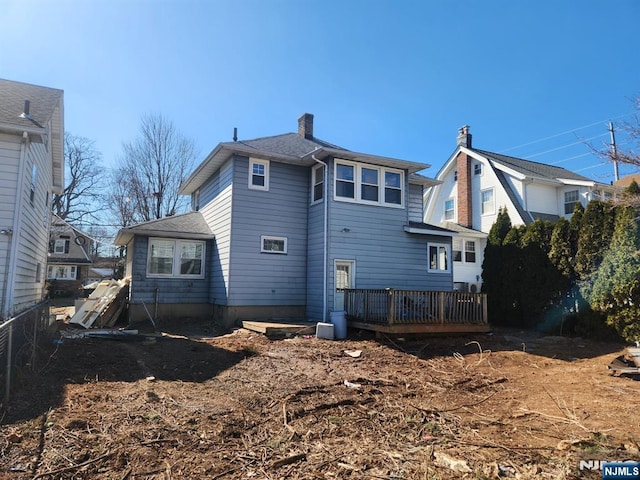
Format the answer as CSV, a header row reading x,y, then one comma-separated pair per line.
x,y
273,244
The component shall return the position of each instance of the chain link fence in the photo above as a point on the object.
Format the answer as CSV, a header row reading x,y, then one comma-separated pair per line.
x,y
19,337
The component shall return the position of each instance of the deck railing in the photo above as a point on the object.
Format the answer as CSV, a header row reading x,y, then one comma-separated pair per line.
x,y
392,307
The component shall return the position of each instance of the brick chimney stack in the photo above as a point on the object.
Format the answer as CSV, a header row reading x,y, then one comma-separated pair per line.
x,y
305,126
465,212
464,137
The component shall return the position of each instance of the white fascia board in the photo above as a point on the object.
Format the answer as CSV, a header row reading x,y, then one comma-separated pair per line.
x,y
577,183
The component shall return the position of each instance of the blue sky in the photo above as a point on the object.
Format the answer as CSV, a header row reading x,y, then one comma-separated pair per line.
x,y
393,78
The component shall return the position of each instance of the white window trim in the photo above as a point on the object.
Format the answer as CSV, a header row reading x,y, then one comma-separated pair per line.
x,y
314,182
176,259
271,237
573,202
265,163
465,251
447,253
357,174
444,210
60,246
478,166
492,210
71,272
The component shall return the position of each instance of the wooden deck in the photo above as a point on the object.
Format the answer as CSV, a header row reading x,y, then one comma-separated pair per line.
x,y
415,312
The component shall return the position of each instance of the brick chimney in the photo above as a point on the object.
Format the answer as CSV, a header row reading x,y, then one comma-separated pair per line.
x,y
465,212
305,126
464,137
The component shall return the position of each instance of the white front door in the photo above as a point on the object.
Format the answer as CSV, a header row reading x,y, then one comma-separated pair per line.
x,y
344,278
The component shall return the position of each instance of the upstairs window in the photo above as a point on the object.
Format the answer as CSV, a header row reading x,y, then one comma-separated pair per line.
x,y
61,245
317,183
488,204
449,209
477,169
393,188
368,184
345,181
259,174
570,199
195,199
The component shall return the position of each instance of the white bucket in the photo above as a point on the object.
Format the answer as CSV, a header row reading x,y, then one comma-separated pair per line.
x,y
339,320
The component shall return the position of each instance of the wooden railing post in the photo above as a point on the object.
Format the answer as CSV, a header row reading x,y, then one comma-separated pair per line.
x,y
392,306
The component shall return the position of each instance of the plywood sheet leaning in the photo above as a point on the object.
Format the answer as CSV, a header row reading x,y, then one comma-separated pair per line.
x,y
104,305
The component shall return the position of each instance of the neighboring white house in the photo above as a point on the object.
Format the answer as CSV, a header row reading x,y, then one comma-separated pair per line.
x,y
476,183
31,170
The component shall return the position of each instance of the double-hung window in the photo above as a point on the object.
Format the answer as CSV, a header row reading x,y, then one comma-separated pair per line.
x,y
176,258
468,247
258,174
61,245
570,199
438,258
317,183
449,209
488,204
368,184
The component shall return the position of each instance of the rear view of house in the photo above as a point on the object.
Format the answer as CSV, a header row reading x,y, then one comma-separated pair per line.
x,y
31,170
280,226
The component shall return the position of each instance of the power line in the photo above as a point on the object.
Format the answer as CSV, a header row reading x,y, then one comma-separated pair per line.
x,y
565,133
566,145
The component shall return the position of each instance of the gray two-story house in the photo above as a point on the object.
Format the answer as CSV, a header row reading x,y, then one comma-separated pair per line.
x,y
279,225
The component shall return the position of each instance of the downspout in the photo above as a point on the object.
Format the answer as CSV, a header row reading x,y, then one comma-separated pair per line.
x,y
11,272
324,243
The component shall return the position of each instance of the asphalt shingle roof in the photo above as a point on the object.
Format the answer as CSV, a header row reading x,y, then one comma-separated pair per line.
x,y
290,144
529,168
43,101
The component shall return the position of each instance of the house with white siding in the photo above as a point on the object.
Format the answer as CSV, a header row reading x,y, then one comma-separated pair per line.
x,y
279,225
31,170
474,184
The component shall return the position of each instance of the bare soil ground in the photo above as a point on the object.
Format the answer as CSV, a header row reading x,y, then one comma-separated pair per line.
x,y
190,405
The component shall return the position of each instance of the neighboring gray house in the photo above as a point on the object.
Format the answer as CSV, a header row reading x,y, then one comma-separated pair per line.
x,y
31,170
474,184
278,224
69,259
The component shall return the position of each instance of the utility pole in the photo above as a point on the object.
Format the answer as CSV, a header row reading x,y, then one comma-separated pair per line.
x,y
614,152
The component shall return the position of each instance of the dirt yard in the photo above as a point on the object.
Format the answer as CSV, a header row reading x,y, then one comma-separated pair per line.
x,y
188,405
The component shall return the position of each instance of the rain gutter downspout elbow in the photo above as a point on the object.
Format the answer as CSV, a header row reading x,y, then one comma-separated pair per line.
x,y
325,230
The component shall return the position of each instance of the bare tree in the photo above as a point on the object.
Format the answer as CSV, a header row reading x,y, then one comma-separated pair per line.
x,y
151,171
83,180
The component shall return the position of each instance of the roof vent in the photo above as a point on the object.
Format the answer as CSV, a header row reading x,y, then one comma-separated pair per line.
x,y
25,114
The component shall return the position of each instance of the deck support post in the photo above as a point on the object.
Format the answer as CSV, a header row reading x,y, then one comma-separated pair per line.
x,y
392,306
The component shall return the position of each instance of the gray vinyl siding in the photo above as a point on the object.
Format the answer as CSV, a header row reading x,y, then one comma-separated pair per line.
x,y
216,204
33,236
415,203
268,278
315,257
385,255
168,290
